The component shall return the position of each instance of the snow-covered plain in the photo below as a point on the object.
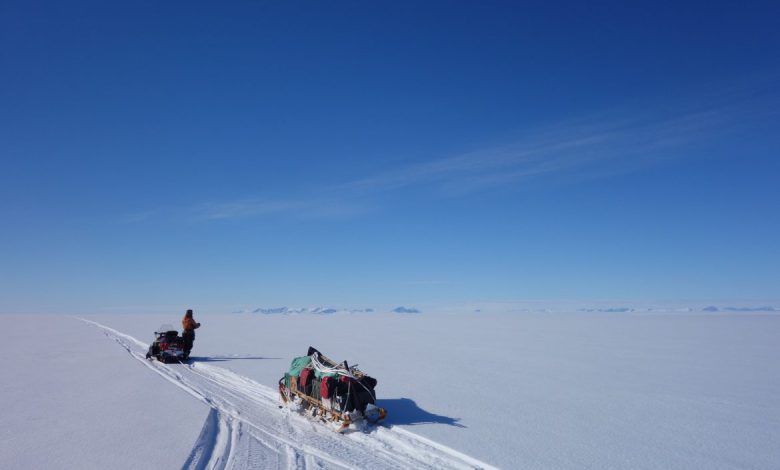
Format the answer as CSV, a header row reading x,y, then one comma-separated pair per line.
x,y
552,391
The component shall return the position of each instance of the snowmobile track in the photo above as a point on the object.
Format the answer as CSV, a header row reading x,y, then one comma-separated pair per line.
x,y
245,427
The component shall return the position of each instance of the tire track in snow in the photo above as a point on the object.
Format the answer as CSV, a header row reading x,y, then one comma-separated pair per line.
x,y
212,448
204,446
246,429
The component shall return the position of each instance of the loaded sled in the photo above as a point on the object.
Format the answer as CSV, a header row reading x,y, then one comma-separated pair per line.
x,y
167,346
333,392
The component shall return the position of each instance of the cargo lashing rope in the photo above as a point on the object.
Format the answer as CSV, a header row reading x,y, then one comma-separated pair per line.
x,y
340,370
343,371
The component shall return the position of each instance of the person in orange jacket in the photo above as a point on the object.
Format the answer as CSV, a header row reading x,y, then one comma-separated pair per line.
x,y
188,325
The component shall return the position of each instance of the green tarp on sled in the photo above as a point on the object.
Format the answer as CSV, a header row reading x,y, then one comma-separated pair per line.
x,y
298,364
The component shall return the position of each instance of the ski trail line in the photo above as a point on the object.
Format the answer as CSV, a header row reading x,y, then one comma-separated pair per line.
x,y
245,427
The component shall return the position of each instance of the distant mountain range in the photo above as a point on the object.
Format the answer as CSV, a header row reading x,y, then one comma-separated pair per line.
x,y
320,310
711,308
307,310
404,310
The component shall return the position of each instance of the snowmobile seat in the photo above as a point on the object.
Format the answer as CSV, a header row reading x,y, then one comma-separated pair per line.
x,y
167,335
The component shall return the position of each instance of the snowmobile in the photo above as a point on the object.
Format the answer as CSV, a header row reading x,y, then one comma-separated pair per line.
x,y
167,346
332,392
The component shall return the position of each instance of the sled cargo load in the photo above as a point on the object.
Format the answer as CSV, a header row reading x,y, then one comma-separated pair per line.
x,y
330,391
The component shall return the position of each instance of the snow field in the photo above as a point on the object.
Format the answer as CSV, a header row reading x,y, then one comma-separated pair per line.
x,y
247,429
553,391
71,399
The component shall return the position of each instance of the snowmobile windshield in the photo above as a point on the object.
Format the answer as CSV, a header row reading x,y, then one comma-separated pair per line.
x,y
164,328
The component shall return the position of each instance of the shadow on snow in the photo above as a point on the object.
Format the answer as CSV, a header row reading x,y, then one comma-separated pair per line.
x,y
226,358
405,411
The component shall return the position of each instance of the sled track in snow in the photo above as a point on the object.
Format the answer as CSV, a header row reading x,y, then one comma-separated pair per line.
x,y
245,427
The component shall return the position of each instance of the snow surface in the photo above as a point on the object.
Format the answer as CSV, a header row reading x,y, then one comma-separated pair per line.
x,y
71,399
552,391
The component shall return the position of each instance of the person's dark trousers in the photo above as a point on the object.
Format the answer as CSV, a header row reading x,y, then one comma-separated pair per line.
x,y
189,338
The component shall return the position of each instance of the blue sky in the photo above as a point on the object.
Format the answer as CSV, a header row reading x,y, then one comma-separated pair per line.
x,y
159,155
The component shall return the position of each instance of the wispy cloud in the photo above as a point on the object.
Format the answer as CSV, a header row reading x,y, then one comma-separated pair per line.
x,y
141,216
245,208
597,146
606,147
306,208
303,208
600,145
525,159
